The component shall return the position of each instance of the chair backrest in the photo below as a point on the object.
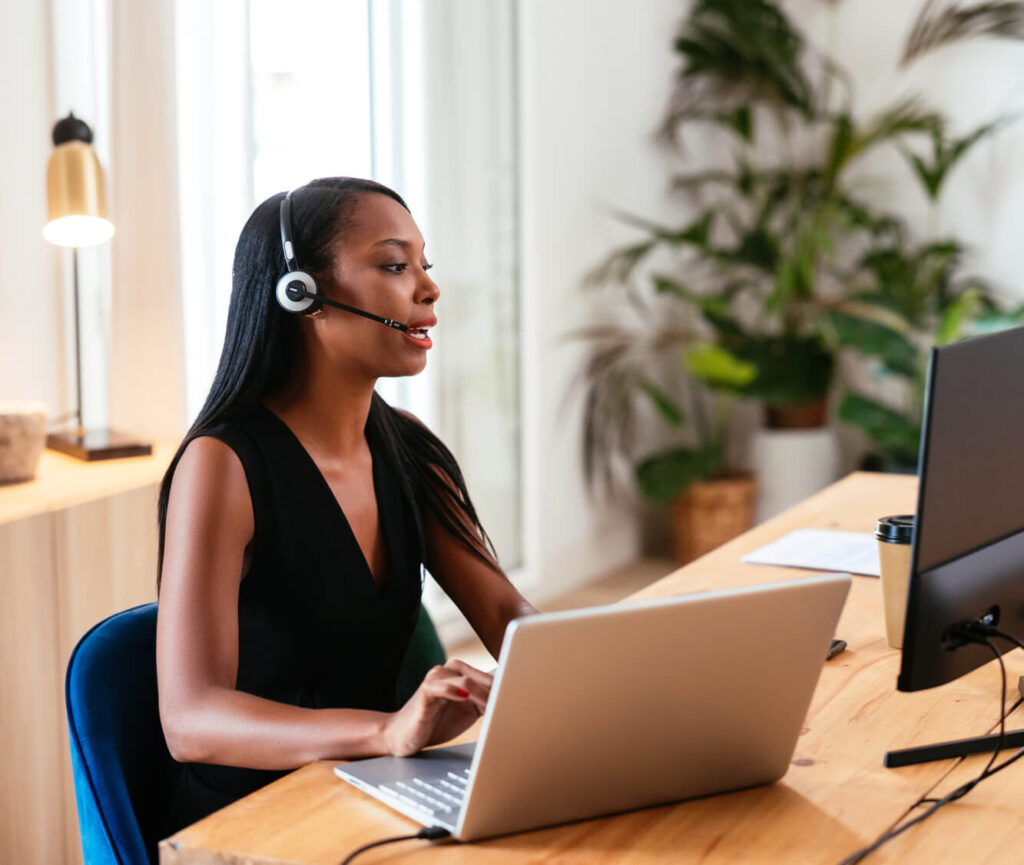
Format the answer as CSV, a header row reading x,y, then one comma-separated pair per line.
x,y
425,651
123,771
124,774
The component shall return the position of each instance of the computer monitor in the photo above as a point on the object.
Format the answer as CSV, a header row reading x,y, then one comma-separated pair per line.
x,y
967,559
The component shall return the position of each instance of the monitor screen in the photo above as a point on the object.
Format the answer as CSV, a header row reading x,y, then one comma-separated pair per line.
x,y
967,562
972,458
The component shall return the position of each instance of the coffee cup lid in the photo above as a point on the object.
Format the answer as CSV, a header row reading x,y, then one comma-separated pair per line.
x,y
896,530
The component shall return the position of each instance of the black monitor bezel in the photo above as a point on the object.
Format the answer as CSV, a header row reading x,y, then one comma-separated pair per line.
x,y
958,590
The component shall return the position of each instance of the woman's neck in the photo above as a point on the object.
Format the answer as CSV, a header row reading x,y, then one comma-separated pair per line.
x,y
327,412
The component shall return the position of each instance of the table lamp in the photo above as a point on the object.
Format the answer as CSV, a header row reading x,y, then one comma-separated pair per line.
x,y
77,216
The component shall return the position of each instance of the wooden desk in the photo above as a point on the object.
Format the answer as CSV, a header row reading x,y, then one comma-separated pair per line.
x,y
76,544
835,798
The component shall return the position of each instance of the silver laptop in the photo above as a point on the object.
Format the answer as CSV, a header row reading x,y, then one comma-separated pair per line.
x,y
608,709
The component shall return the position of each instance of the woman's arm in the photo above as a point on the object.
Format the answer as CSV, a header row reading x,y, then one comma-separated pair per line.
x,y
208,530
485,595
479,588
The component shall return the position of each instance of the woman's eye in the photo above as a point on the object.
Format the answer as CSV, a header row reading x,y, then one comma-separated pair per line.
x,y
400,268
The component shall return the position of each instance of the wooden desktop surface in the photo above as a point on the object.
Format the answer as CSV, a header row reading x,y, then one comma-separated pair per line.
x,y
835,798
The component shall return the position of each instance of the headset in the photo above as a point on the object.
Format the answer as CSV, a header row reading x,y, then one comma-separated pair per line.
x,y
298,292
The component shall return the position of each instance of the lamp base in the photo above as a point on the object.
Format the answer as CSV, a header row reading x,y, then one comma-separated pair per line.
x,y
97,444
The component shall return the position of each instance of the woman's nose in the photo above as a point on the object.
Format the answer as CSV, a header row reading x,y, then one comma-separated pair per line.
x,y
428,290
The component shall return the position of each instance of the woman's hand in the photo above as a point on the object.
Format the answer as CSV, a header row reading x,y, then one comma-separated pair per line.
x,y
448,702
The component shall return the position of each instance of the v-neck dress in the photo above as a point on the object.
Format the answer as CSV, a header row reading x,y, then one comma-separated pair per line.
x,y
314,628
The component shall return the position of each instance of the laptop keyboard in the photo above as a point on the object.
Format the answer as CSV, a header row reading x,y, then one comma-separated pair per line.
x,y
433,795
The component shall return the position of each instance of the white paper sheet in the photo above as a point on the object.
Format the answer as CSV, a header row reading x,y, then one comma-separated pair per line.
x,y
822,550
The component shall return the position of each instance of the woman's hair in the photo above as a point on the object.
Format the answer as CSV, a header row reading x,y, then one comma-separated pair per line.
x,y
261,340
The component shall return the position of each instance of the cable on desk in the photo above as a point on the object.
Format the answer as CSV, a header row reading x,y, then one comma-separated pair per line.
x,y
428,833
981,636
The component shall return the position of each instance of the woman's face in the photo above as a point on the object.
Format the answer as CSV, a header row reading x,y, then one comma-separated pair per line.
x,y
379,266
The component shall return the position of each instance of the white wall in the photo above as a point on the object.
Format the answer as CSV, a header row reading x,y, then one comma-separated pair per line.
x,y
147,371
30,309
971,83
593,79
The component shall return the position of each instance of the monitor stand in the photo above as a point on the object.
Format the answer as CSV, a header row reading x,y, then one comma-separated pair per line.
x,y
955,748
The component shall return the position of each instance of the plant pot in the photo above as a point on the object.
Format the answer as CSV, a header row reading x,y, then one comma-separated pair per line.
x,y
807,415
790,465
710,513
22,437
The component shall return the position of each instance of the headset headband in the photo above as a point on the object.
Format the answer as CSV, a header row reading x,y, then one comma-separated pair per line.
x,y
286,232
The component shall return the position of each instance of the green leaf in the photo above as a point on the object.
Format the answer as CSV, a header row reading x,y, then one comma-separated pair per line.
x,y
741,121
667,285
936,27
759,249
696,232
952,323
619,265
664,476
701,179
719,368
840,146
668,409
791,370
892,434
946,153
716,308
871,338
931,178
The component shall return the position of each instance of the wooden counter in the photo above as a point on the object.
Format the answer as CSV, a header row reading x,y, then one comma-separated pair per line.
x,y
76,544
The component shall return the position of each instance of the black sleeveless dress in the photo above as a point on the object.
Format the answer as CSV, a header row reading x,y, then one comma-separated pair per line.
x,y
314,628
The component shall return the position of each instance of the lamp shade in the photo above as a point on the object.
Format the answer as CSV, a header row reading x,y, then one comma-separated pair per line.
x,y
76,197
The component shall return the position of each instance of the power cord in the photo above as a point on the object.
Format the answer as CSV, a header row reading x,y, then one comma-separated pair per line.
x,y
977,634
428,833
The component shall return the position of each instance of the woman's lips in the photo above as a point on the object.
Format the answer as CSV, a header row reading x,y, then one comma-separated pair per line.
x,y
418,336
417,332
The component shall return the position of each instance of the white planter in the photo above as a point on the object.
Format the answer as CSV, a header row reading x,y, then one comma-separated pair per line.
x,y
790,465
22,437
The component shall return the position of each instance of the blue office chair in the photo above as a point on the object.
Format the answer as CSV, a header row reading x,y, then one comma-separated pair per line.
x,y
124,774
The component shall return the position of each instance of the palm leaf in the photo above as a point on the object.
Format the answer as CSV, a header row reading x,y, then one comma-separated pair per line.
x,y
936,27
946,153
734,53
847,142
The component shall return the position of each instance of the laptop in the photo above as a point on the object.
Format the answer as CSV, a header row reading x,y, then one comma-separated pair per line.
x,y
608,709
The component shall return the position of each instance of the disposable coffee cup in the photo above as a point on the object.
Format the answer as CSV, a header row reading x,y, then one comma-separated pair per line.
x,y
894,536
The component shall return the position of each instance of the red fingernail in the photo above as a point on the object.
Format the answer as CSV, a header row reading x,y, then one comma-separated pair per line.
x,y
462,692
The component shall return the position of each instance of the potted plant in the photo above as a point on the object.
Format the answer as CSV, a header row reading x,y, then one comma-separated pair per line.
x,y
915,299
712,500
770,267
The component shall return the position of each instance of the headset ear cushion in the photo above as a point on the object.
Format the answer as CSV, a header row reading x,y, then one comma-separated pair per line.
x,y
302,304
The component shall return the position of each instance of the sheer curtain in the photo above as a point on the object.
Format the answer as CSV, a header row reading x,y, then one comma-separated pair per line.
x,y
418,95
114,66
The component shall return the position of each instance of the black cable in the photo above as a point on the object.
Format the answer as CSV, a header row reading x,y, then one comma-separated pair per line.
x,y
428,833
966,787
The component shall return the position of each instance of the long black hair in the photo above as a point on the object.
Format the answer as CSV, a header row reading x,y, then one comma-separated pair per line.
x,y
261,341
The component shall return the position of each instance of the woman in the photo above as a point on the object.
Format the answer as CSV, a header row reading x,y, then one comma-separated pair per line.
x,y
297,513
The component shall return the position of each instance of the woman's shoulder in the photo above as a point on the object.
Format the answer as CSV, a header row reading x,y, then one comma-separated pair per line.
x,y
239,431
226,449
210,478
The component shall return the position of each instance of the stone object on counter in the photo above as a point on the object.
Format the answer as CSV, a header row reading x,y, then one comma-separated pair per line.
x,y
22,438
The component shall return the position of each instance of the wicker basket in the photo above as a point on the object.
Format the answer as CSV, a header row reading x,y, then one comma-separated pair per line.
x,y
710,513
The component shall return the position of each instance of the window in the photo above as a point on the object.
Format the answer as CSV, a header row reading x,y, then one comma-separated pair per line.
x,y
419,96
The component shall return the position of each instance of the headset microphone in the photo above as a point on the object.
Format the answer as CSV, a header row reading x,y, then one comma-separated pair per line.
x,y
298,292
